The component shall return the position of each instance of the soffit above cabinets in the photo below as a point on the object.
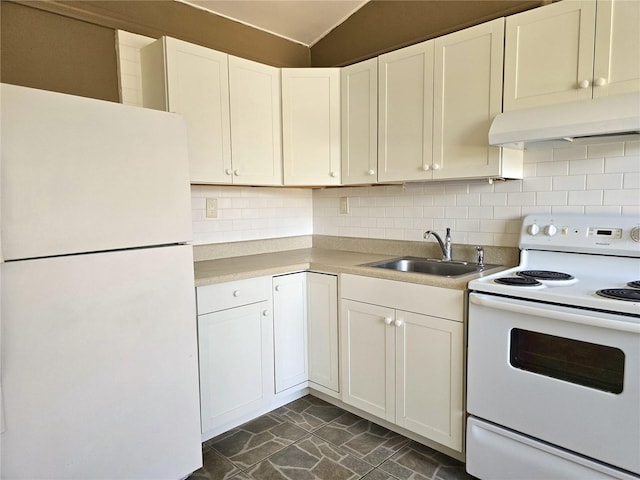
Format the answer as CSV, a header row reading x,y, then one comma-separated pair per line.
x,y
301,21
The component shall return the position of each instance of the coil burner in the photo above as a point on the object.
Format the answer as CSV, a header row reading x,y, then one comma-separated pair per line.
x,y
518,281
546,275
626,294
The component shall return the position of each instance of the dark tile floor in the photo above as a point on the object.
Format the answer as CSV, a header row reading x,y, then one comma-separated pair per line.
x,y
310,439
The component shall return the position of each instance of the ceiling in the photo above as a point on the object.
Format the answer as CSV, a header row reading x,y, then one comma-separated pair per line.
x,y
301,21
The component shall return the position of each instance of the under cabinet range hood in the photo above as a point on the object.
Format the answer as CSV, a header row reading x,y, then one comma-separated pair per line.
x,y
594,120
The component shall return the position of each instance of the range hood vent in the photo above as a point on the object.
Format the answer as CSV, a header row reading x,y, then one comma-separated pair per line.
x,y
597,120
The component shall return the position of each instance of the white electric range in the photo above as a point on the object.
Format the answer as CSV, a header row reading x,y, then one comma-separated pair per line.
x,y
554,354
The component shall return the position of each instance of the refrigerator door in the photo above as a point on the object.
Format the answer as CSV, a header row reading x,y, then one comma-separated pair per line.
x,y
100,366
84,175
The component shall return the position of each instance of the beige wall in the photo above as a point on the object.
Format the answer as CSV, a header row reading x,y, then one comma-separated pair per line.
x,y
52,52
381,26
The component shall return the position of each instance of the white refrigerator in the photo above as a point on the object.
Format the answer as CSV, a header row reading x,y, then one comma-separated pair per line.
x,y
99,364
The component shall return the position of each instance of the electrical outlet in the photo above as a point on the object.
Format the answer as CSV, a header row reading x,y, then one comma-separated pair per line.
x,y
344,205
212,208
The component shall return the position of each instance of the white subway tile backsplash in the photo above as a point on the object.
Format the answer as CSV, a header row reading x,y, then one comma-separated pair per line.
x,y
570,182
583,198
580,167
549,169
602,150
629,163
551,198
604,181
622,197
468,199
631,180
537,184
577,152
603,210
523,198
493,199
632,148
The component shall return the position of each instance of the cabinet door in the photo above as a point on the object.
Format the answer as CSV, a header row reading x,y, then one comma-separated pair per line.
x,y
322,324
549,55
359,94
617,53
311,126
290,330
429,377
467,96
236,363
198,89
256,130
405,120
367,357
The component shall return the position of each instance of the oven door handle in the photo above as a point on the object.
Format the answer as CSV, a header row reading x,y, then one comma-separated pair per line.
x,y
582,318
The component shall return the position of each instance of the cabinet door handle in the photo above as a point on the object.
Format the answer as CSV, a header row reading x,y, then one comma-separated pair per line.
x,y
388,321
436,166
371,172
265,313
236,173
600,82
228,171
399,323
236,293
584,84
278,288
334,174
425,168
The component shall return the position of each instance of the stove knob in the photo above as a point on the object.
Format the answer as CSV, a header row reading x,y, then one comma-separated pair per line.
x,y
550,230
635,234
533,229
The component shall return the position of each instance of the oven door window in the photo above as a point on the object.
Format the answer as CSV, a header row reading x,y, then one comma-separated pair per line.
x,y
588,364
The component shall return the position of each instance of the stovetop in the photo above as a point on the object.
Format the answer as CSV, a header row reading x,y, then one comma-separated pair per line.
x,y
595,253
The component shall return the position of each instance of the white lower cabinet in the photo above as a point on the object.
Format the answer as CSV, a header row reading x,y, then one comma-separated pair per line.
x,y
262,341
235,340
290,330
403,366
322,327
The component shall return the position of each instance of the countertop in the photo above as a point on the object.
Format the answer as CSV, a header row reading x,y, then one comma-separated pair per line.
x,y
320,260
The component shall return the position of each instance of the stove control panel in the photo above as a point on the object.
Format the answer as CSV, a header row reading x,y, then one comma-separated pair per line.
x,y
607,235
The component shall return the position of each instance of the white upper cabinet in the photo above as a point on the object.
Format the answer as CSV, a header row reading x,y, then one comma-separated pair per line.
x,y
359,95
617,53
467,96
194,81
405,114
311,126
231,107
256,139
549,57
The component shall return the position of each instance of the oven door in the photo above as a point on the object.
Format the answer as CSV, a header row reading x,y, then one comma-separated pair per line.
x,y
567,376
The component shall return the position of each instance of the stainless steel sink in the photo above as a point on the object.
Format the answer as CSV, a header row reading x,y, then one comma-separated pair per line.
x,y
430,266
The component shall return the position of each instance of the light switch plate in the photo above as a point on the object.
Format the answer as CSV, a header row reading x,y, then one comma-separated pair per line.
x,y
212,208
344,205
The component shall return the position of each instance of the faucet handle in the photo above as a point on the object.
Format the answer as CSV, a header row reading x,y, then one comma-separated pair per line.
x,y
480,251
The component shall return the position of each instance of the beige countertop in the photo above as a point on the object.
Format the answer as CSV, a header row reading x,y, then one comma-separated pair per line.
x,y
319,260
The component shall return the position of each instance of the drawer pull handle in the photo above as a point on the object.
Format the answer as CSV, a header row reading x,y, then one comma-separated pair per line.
x,y
388,321
236,293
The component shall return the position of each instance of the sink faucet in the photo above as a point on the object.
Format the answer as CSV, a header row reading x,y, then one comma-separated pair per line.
x,y
444,246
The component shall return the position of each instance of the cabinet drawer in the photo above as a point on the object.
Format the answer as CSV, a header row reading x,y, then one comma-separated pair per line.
x,y
412,297
220,296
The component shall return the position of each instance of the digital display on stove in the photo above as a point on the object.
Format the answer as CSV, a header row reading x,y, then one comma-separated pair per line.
x,y
605,232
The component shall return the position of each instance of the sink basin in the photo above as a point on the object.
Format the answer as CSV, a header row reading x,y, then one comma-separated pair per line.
x,y
430,266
